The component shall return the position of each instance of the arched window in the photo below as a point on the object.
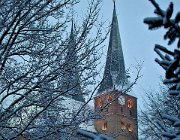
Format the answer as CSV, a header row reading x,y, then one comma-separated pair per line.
x,y
109,98
122,125
130,103
129,127
104,126
99,102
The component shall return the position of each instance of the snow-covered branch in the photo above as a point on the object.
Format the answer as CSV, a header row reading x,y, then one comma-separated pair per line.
x,y
169,60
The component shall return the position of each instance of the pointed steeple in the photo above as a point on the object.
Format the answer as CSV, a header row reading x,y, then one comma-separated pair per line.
x,y
71,75
114,73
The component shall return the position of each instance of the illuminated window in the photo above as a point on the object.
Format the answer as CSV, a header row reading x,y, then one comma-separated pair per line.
x,y
104,126
99,102
130,103
122,125
108,98
129,127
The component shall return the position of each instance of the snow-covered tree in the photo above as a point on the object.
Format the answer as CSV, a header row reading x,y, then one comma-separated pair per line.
x,y
169,61
93,136
33,46
156,104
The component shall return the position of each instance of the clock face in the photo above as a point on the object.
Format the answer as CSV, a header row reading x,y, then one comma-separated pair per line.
x,y
121,100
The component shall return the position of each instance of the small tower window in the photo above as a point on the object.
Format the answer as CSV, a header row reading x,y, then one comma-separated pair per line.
x,y
121,109
104,126
122,125
130,112
99,102
109,98
130,103
129,127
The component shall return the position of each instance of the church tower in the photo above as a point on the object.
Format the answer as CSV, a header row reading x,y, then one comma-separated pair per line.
x,y
71,78
117,108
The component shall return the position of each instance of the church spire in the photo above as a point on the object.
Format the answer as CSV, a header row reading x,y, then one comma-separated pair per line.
x,y
114,73
71,80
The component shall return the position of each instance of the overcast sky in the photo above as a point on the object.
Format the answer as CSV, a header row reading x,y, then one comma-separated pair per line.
x,y
137,41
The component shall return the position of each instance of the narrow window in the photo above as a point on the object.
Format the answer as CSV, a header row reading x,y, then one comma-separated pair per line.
x,y
122,125
121,109
130,103
109,98
130,112
104,126
129,127
99,102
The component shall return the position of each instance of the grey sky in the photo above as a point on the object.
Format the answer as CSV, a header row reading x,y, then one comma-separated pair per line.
x,y
137,41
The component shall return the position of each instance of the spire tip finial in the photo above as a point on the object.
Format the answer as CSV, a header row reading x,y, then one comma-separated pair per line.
x,y
114,1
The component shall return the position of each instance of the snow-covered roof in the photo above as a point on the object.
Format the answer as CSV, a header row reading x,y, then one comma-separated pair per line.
x,y
73,106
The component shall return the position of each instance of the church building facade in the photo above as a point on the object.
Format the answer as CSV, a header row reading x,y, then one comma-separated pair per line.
x,y
117,108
